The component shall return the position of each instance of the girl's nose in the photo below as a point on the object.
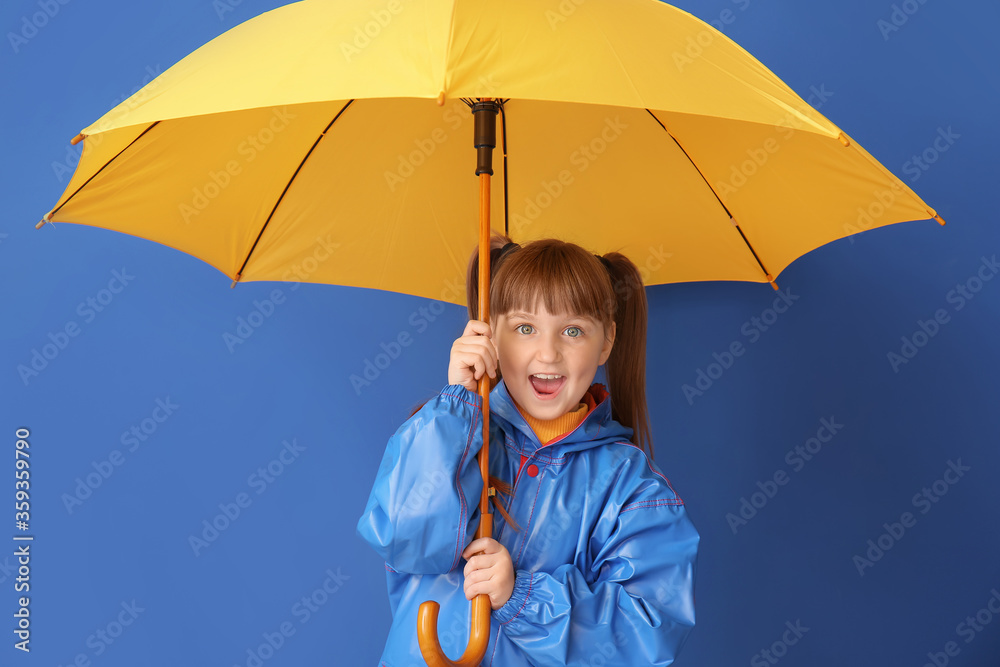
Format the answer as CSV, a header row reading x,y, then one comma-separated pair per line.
x,y
548,349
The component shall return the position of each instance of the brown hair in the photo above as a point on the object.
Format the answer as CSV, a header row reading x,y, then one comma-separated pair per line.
x,y
568,279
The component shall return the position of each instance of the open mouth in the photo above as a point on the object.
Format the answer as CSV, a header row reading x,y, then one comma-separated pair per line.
x,y
546,386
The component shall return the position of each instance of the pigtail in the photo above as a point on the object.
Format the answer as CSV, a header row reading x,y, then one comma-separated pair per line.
x,y
626,365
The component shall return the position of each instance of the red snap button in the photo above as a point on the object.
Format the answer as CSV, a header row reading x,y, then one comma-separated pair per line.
x,y
532,470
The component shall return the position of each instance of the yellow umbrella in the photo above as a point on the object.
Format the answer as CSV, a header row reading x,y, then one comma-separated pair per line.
x,y
340,131
306,125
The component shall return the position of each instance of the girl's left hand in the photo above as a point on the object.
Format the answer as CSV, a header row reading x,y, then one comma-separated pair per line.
x,y
490,572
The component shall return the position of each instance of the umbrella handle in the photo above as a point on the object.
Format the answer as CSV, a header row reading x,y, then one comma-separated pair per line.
x,y
485,113
479,632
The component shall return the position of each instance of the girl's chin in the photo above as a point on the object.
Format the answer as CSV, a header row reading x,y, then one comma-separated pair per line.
x,y
546,412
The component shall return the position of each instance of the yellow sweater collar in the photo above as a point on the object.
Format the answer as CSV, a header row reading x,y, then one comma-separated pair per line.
x,y
548,430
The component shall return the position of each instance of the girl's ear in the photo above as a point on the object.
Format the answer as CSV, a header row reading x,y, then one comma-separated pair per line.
x,y
609,342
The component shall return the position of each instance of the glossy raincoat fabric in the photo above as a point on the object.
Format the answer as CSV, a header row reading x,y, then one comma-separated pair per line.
x,y
604,558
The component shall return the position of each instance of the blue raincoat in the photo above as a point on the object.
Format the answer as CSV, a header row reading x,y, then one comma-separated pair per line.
x,y
604,560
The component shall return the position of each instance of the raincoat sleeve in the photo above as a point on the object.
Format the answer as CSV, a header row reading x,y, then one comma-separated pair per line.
x,y
635,604
425,499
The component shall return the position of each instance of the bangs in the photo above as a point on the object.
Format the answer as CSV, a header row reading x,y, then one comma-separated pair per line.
x,y
562,277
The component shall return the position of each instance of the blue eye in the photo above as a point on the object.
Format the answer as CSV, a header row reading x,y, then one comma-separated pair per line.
x,y
520,328
576,329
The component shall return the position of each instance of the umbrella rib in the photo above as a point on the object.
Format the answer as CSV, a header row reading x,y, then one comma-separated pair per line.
x,y
56,209
322,134
763,268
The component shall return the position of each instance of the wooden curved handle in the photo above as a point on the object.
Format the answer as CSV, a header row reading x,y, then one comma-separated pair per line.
x,y
479,632
479,636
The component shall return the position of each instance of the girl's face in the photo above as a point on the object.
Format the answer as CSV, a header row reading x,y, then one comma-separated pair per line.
x,y
569,347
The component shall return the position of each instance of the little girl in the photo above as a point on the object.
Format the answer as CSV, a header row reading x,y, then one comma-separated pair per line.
x,y
593,555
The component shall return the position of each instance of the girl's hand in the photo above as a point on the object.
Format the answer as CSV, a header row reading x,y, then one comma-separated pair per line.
x,y
491,572
473,354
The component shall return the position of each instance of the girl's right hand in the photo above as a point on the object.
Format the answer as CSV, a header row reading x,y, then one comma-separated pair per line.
x,y
472,354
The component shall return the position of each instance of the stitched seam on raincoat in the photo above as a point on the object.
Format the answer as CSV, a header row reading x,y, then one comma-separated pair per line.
x,y
462,400
527,596
559,460
649,503
458,394
513,447
553,460
651,468
531,516
461,495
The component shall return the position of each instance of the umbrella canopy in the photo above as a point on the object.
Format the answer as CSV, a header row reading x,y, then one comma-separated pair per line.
x,y
337,130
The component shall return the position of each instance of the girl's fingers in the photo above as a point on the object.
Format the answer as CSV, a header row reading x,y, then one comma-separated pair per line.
x,y
477,327
478,577
478,589
472,355
477,563
483,328
477,353
485,544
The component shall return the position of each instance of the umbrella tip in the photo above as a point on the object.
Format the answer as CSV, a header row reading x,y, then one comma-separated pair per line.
x,y
46,218
77,139
235,280
440,99
844,140
771,280
939,219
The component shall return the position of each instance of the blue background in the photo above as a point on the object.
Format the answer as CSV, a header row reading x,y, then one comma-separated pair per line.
x,y
793,561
